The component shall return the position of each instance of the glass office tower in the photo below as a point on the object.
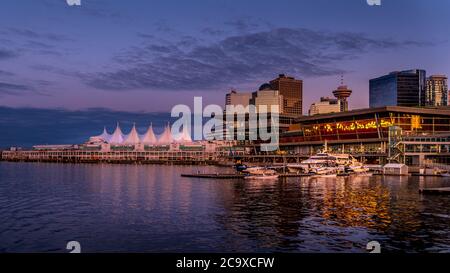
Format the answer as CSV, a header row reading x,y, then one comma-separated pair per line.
x,y
405,88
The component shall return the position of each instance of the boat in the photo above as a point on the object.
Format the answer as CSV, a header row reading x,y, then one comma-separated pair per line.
x,y
261,174
325,172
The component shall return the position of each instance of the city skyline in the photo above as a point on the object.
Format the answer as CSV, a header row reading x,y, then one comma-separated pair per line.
x,y
107,54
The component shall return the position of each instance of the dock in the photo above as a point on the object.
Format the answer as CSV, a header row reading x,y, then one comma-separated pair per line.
x,y
235,176
214,176
435,191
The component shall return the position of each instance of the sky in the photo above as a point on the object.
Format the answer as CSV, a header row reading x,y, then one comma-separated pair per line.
x,y
145,56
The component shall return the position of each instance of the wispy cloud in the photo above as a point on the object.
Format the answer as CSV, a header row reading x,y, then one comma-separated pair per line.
x,y
7,54
237,59
13,89
30,34
6,73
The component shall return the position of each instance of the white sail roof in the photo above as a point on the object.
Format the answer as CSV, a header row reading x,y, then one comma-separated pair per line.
x,y
105,136
166,137
133,137
149,137
184,136
117,136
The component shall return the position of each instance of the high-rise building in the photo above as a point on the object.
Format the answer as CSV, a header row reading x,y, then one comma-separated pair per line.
x,y
437,91
235,98
342,93
405,88
292,91
325,106
266,96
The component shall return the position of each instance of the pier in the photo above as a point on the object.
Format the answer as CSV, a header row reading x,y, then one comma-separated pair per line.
x,y
115,157
235,175
435,191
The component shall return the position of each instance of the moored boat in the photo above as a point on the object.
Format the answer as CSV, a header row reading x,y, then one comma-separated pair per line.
x,y
261,174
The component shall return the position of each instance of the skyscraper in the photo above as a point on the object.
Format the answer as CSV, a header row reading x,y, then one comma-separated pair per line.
x,y
405,88
437,91
292,92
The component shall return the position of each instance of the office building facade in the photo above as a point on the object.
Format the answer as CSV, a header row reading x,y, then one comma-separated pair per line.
x,y
292,91
235,98
325,106
405,88
437,91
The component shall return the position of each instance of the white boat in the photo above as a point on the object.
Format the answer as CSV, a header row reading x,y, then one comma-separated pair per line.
x,y
262,174
298,168
325,172
261,177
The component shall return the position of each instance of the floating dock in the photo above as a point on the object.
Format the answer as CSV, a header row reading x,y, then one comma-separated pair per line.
x,y
235,176
435,191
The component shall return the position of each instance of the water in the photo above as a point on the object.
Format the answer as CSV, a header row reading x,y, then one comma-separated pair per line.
x,y
132,208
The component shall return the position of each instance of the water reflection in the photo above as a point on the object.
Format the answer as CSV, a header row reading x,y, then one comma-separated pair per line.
x,y
152,209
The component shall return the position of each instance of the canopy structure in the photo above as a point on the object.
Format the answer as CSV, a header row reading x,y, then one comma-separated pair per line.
x,y
105,136
166,137
149,137
117,136
183,136
133,137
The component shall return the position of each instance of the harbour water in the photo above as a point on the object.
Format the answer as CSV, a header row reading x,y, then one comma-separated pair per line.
x,y
150,208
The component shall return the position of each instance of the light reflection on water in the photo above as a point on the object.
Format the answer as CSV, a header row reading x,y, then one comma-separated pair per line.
x,y
120,208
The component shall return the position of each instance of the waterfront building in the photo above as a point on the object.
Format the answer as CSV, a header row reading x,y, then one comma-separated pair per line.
x,y
437,91
405,88
425,134
292,91
326,105
235,98
169,147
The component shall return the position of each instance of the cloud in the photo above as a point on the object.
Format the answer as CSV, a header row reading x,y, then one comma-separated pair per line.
x,y
13,89
7,54
6,73
30,34
236,60
242,25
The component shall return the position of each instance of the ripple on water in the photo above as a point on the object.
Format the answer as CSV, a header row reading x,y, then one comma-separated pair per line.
x,y
151,209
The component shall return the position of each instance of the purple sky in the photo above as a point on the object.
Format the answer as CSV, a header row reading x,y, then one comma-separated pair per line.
x,y
146,56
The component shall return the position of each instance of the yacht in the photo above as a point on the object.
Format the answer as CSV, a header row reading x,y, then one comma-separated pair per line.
x,y
322,160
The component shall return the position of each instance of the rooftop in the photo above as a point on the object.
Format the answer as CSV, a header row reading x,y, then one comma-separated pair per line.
x,y
442,111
